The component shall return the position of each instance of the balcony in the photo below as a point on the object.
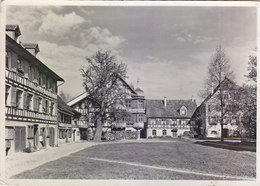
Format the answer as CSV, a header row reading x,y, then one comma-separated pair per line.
x,y
13,76
28,115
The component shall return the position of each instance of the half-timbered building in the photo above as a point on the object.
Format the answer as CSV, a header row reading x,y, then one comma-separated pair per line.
x,y
168,117
30,96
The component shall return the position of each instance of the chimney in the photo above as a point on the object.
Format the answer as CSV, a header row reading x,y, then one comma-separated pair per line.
x,y
13,31
33,48
165,102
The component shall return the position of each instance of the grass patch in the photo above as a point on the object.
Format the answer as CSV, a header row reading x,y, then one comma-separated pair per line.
x,y
178,154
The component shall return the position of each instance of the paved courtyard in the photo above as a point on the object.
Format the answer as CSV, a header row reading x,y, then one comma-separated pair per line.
x,y
148,159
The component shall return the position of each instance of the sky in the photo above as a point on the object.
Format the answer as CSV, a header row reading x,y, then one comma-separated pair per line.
x,y
167,48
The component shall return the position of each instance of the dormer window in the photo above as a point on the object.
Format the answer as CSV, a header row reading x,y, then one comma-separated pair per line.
x,y
183,110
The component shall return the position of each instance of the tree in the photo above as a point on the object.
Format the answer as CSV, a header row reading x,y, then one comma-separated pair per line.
x,y
219,75
64,96
102,81
250,95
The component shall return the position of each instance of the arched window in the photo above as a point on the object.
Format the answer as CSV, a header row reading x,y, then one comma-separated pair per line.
x,y
164,132
154,132
183,110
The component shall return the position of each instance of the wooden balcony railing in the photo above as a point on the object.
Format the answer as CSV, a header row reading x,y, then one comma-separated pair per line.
x,y
13,76
29,115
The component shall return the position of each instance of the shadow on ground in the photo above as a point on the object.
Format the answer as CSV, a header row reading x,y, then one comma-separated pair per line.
x,y
237,146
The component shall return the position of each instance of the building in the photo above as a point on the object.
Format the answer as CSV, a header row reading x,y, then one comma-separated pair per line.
x,y
68,129
130,124
168,117
205,121
30,97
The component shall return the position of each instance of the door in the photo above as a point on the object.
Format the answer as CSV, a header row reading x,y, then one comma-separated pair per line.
x,y
225,133
74,131
36,137
51,129
44,137
19,138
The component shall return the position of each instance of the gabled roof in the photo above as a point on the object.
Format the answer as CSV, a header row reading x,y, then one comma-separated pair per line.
x,y
62,106
127,85
22,52
13,28
156,108
84,95
77,99
224,85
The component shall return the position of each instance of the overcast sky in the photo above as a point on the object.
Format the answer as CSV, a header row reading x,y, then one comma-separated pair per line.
x,y
167,48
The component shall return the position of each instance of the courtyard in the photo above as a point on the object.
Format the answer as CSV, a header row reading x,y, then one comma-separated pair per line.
x,y
154,159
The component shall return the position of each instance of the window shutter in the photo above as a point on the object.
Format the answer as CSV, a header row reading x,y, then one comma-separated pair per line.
x,y
43,105
35,103
13,96
25,100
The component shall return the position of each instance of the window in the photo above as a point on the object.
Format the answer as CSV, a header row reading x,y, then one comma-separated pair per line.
x,y
7,89
7,60
19,66
213,132
152,121
45,106
164,132
225,96
208,108
30,131
52,109
128,103
40,78
19,98
40,104
29,102
140,118
154,132
140,104
183,110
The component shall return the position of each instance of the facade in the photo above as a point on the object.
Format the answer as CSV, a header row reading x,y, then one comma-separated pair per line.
x,y
68,129
168,117
133,122
30,97
205,121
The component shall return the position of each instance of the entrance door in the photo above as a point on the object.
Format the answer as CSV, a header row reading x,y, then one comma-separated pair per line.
x,y
44,136
51,130
74,131
19,138
36,136
225,133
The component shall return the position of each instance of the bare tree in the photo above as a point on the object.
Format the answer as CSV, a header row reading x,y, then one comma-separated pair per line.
x,y
220,86
102,81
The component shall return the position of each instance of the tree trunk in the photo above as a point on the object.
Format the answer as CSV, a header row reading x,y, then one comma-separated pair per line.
x,y
98,131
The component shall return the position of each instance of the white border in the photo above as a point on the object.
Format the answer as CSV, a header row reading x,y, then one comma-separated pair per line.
x,y
111,3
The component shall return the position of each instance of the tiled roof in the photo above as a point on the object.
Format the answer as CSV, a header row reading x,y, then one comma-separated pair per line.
x,y
62,106
156,108
21,51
